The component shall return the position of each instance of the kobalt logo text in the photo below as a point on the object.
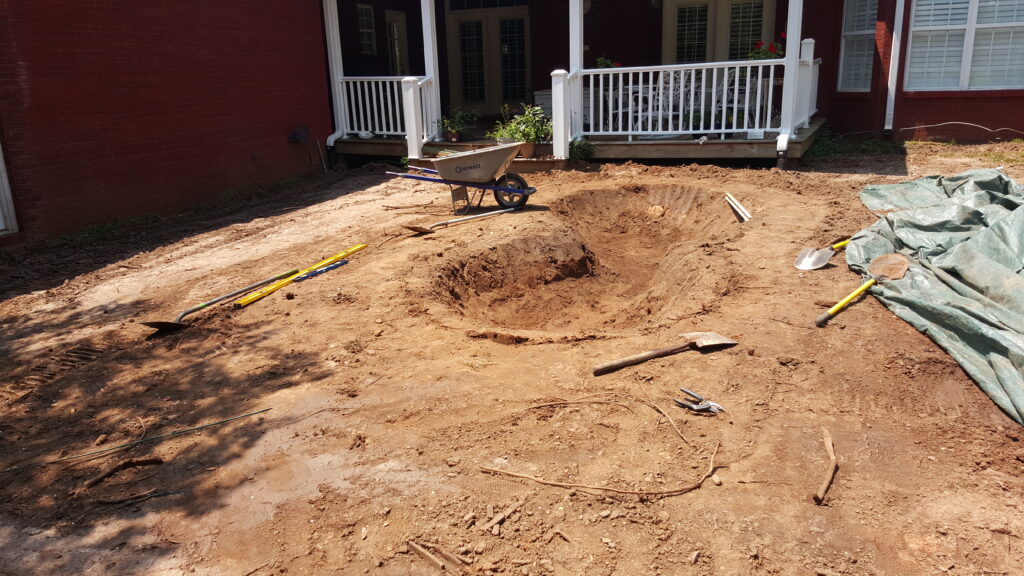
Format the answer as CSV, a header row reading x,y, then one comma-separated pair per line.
x,y
461,169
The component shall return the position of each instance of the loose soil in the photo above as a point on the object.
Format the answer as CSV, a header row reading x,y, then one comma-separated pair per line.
x,y
394,381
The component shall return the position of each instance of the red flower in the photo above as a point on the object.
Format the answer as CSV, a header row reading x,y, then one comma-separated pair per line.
x,y
783,35
616,64
771,48
759,45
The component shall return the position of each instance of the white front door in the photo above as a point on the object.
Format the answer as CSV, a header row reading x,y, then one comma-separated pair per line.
x,y
714,30
488,57
7,221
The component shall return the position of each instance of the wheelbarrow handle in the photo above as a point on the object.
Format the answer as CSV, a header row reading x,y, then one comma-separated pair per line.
x,y
638,358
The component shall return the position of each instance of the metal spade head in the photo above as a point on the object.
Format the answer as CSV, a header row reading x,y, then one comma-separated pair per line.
x,y
811,259
707,339
892,266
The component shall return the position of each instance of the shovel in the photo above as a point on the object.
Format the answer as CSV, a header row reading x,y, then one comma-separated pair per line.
x,y
430,230
891,266
699,340
811,259
167,327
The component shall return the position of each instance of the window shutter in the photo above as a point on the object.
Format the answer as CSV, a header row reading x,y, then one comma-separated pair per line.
x,y
941,13
998,58
1001,12
935,60
860,15
858,53
858,45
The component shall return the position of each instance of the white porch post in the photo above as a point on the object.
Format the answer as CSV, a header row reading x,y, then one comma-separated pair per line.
x,y
794,27
8,223
559,115
428,16
336,70
575,66
412,102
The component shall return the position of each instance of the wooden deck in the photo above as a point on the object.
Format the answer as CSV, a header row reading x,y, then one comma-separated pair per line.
x,y
609,149
712,148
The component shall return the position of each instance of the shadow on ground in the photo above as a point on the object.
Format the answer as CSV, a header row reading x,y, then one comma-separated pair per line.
x,y
112,389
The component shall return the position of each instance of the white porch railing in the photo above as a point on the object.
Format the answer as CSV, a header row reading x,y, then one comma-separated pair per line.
x,y
381,105
714,98
719,98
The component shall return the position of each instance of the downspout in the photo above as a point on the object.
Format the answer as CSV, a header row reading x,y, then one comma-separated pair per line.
x,y
335,68
894,66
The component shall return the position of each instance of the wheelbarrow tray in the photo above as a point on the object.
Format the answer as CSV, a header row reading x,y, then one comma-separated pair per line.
x,y
477,166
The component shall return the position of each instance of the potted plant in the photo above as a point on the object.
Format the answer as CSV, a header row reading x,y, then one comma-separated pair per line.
x,y
530,127
452,124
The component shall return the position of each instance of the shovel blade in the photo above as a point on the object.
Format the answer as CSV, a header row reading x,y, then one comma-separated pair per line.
x,y
707,339
165,327
811,259
418,229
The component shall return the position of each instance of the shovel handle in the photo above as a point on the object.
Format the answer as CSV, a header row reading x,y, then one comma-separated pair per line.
x,y
638,358
238,292
839,245
824,318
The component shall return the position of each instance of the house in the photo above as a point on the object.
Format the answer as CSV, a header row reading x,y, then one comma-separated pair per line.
x,y
684,68
108,111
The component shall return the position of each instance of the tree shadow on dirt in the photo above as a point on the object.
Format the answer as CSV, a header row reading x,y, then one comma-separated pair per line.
x,y
114,388
47,264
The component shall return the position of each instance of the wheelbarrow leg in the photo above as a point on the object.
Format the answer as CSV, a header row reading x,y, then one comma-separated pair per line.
x,y
459,193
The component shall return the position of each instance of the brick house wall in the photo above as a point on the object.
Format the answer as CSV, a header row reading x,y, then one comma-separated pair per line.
x,y
116,109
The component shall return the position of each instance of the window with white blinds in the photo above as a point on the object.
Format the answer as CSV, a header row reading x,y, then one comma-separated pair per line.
x,y
966,45
857,48
367,30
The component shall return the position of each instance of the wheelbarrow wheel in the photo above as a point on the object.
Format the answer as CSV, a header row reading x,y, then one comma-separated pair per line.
x,y
511,199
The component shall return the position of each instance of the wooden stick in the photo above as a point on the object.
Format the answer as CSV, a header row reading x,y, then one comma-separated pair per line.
x,y
437,562
650,405
657,493
122,466
819,496
569,403
502,516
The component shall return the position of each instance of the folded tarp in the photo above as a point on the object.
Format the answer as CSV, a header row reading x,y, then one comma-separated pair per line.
x,y
964,236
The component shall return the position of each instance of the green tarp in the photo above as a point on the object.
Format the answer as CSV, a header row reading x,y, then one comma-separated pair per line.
x,y
964,236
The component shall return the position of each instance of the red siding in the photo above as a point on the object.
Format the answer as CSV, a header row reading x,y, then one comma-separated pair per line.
x,y
119,109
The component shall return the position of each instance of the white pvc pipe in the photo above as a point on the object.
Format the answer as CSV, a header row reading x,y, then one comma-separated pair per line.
x,y
894,65
334,65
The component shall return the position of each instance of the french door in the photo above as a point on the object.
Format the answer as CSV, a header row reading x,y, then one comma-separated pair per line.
x,y
489,58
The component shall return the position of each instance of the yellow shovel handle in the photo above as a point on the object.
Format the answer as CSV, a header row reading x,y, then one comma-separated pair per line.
x,y
839,245
824,318
282,283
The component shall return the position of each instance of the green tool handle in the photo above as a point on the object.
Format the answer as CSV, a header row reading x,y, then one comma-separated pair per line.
x,y
238,292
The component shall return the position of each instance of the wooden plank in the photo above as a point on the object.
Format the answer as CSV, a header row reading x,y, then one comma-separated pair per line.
x,y
378,147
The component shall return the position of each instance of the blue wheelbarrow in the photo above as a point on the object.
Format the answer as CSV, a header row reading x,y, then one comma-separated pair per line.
x,y
480,171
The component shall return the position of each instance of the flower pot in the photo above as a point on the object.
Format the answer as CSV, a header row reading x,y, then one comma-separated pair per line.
x,y
527,149
453,136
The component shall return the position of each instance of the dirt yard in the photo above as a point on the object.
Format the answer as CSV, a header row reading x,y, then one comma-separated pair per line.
x,y
438,381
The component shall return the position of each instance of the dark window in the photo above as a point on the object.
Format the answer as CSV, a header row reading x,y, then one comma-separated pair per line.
x,y
691,34
471,54
745,21
513,60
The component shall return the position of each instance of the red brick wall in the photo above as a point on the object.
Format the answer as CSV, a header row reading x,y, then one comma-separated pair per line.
x,y
115,109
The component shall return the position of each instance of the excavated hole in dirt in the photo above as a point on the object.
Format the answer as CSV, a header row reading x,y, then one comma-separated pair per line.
x,y
618,258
